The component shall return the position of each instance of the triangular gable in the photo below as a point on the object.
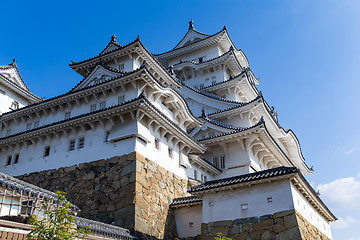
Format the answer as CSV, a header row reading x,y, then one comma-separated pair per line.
x,y
98,75
113,45
190,37
11,73
211,127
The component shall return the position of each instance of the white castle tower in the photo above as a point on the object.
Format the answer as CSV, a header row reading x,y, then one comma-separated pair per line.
x,y
194,111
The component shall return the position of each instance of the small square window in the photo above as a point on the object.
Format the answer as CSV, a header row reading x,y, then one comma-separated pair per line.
x,y
8,161
47,151
71,145
121,99
244,206
81,143
157,144
36,124
16,159
269,199
191,224
67,115
92,107
201,60
28,126
103,105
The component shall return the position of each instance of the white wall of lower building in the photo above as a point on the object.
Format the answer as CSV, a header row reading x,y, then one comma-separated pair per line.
x,y
309,213
188,221
227,205
7,97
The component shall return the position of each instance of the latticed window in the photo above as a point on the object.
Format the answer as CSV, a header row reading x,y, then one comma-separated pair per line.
x,y
71,145
81,143
92,107
121,99
102,105
67,115
216,161
222,162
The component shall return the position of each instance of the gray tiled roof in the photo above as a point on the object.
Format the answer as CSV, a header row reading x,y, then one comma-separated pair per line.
x,y
274,172
99,228
185,200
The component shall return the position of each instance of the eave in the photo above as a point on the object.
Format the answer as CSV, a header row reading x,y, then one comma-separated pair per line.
x,y
134,47
32,98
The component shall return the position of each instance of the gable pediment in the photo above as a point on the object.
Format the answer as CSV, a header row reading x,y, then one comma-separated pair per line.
x,y
98,75
191,36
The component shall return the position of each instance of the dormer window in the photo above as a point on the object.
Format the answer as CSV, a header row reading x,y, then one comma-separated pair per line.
x,y
14,105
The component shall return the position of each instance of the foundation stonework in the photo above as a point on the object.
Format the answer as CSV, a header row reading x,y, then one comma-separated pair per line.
x,y
285,225
128,191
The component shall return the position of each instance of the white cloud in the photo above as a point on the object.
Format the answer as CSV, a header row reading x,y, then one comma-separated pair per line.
x,y
343,223
343,193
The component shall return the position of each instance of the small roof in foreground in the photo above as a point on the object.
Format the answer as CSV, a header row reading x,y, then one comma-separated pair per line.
x,y
274,172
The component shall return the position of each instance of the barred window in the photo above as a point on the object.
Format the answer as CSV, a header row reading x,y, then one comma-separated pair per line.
x,y
92,107
81,143
47,151
103,105
71,145
67,115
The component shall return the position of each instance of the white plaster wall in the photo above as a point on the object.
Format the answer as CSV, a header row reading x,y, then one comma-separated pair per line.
x,y
186,215
309,212
8,97
31,158
227,204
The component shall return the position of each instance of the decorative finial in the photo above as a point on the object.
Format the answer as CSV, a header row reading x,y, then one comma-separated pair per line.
x,y
113,38
312,168
262,120
231,48
138,37
224,28
260,94
203,114
191,24
14,60
171,70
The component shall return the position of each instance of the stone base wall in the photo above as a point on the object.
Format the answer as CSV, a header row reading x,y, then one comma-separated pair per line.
x,y
284,225
128,191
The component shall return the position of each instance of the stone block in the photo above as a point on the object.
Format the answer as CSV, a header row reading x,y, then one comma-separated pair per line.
x,y
266,224
283,213
246,220
215,230
223,223
204,229
240,236
265,217
246,228
290,221
235,229
70,169
268,235
128,168
278,228
255,235
292,233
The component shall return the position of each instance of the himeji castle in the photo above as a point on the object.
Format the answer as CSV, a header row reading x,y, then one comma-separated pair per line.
x,y
180,144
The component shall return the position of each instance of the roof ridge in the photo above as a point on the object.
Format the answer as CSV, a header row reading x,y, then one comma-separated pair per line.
x,y
259,123
210,95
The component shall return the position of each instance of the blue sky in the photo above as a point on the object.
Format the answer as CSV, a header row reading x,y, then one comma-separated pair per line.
x,y
306,53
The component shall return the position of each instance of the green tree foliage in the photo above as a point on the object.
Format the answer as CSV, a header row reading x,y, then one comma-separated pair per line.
x,y
57,224
220,236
